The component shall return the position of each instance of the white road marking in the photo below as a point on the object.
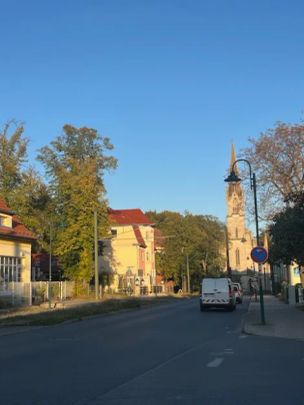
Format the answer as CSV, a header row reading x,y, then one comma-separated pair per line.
x,y
243,336
228,351
216,362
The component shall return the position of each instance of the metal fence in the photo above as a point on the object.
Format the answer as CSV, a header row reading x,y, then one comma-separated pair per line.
x,y
35,292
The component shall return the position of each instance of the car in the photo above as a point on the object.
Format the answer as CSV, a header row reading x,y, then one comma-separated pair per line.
x,y
238,292
217,293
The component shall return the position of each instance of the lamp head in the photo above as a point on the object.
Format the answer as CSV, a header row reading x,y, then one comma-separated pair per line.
x,y
233,178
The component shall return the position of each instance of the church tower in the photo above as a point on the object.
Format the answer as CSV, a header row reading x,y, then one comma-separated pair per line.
x,y
239,238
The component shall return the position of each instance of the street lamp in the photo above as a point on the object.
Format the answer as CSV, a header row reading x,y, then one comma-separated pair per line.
x,y
233,178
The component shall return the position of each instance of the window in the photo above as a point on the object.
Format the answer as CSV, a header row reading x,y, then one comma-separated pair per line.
x,y
236,233
235,206
10,269
147,256
237,257
114,232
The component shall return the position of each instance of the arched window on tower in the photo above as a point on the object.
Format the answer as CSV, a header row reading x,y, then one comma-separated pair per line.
x,y
235,206
236,233
237,257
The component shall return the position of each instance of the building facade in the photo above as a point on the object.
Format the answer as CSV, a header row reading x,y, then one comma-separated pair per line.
x,y
128,255
15,247
240,239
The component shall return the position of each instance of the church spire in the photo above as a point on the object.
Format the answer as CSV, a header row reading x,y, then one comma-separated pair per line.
x,y
232,160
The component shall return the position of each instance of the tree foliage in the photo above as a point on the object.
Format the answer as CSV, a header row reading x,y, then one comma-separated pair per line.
x,y
20,186
75,163
199,237
277,157
13,154
287,233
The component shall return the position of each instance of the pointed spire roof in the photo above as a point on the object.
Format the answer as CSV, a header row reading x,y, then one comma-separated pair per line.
x,y
232,160
234,187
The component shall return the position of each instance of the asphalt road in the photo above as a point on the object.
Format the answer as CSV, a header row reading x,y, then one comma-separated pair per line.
x,y
169,354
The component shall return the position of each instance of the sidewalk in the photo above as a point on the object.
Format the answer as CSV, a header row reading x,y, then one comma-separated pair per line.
x,y
282,320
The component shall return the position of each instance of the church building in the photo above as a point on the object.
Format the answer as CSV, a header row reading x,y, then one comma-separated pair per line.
x,y
240,240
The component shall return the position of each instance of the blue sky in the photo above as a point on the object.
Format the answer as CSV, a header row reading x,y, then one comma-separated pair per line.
x,y
171,82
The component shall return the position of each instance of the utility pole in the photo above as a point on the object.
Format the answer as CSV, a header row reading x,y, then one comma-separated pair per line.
x,y
227,253
50,270
96,255
188,273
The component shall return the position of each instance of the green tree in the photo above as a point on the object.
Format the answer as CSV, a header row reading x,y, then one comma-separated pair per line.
x,y
199,237
33,203
13,155
75,163
20,186
287,234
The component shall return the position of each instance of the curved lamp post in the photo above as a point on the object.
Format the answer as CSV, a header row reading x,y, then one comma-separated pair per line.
x,y
233,178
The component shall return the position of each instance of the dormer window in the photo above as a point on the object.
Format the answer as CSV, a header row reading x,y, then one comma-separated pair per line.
x,y
6,220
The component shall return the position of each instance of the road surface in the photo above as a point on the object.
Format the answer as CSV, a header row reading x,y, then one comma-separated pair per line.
x,y
168,354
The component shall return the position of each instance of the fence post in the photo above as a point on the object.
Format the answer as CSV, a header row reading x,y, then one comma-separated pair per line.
x,y
13,293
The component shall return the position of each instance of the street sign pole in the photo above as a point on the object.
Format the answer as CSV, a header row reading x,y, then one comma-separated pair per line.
x,y
261,295
260,255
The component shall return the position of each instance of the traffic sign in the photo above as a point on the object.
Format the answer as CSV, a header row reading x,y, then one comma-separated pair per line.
x,y
259,254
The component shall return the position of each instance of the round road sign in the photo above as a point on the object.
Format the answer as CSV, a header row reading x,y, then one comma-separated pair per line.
x,y
259,254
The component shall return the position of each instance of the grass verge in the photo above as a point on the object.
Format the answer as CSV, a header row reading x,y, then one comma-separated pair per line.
x,y
55,316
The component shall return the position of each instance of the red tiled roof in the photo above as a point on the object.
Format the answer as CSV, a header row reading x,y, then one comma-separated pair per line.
x,y
18,230
129,217
139,236
4,208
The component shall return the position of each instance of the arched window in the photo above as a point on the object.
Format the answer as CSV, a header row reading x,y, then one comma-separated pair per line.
x,y
235,206
237,257
236,233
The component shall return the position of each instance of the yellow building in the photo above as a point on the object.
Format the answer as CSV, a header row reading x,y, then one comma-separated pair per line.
x,y
15,247
129,254
240,240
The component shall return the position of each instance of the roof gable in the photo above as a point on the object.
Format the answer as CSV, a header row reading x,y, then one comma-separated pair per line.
x,y
139,237
133,216
4,208
18,230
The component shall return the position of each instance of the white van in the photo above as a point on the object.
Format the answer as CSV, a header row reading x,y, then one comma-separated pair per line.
x,y
217,293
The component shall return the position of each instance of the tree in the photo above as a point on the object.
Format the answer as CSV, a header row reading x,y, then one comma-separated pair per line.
x,y
20,186
75,163
33,203
287,234
199,237
13,154
277,157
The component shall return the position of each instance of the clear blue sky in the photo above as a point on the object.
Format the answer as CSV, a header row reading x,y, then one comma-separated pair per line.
x,y
171,82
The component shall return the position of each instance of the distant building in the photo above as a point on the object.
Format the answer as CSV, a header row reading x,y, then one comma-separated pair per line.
x,y
15,247
41,267
128,255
